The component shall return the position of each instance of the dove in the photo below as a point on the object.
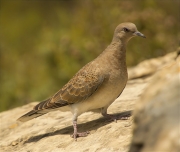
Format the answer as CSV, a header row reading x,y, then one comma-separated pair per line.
x,y
96,85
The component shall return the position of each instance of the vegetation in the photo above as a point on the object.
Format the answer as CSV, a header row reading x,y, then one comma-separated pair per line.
x,y
43,43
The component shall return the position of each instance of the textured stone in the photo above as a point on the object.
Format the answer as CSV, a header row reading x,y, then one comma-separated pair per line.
x,y
51,132
157,113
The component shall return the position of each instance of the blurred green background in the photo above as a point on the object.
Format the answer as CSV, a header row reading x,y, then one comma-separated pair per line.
x,y
44,43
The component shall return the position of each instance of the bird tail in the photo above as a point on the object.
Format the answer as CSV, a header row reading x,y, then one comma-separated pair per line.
x,y
41,109
31,114
36,112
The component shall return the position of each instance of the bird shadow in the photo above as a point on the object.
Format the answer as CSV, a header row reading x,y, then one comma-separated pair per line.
x,y
90,125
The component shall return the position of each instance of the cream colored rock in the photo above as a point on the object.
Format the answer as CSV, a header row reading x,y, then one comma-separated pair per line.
x,y
157,119
50,133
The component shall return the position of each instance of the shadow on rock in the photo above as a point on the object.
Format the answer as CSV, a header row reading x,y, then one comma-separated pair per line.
x,y
91,125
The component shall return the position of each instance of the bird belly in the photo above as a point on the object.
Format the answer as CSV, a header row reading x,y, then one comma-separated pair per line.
x,y
102,98
65,108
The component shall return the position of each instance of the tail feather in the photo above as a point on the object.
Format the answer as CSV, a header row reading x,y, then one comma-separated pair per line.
x,y
36,112
41,109
30,115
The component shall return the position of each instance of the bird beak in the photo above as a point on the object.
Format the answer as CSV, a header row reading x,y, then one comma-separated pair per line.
x,y
139,34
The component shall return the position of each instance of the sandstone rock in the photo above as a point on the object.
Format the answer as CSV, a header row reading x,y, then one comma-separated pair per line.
x,y
157,113
51,132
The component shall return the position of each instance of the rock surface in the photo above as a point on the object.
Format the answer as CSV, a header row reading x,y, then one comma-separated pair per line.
x,y
51,132
157,113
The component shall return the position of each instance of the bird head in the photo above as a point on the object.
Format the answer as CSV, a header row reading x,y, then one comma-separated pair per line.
x,y
125,31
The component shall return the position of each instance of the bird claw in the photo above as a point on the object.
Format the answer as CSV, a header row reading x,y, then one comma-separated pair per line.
x,y
81,134
115,117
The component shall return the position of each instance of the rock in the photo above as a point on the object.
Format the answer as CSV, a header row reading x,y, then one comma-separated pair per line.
x,y
157,113
51,132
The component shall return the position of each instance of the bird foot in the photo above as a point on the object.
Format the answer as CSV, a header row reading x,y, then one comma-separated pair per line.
x,y
82,134
116,117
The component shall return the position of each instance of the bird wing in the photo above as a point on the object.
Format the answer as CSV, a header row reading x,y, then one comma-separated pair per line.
x,y
79,88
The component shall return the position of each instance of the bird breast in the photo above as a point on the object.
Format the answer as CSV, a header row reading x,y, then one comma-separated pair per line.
x,y
104,96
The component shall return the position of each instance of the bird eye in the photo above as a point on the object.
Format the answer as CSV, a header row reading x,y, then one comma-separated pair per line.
x,y
126,30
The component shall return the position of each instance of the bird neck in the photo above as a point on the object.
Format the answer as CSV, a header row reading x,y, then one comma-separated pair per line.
x,y
120,40
115,55
119,50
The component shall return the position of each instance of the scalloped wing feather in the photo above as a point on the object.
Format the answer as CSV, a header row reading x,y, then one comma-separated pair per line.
x,y
79,88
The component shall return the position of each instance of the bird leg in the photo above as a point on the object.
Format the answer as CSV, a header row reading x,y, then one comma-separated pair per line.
x,y
76,134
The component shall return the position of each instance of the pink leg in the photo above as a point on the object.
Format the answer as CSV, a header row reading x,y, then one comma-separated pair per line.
x,y
76,134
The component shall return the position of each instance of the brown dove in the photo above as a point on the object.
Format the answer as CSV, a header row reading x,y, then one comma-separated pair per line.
x,y
96,85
